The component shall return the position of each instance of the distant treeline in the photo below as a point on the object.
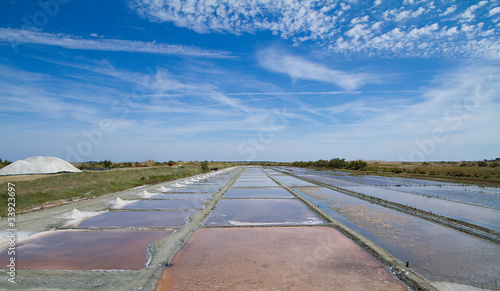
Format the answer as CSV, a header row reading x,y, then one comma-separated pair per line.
x,y
107,164
336,163
4,163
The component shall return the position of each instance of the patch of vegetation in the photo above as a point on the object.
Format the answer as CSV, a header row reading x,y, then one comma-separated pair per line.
x,y
335,163
204,167
4,163
482,172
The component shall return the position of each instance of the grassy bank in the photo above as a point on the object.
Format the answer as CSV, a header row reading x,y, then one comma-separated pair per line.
x,y
58,188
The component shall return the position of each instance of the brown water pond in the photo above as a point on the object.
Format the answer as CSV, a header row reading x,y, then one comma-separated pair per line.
x,y
289,258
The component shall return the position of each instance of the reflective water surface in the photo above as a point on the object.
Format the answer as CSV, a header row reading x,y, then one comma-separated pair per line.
x,y
168,196
436,252
486,217
165,204
475,195
255,184
291,181
262,212
86,250
275,258
258,193
138,219
191,190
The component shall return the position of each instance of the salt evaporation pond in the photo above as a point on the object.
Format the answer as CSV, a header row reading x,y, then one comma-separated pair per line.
x,y
239,212
487,217
190,190
475,195
202,186
138,219
331,181
365,180
291,181
165,205
258,193
408,182
86,250
254,179
434,251
255,184
168,196
275,258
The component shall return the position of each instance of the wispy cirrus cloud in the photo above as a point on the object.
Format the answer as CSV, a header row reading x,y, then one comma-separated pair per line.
x,y
297,67
385,28
14,37
454,116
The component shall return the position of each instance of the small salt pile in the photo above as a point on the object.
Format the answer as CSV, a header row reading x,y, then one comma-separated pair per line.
x,y
143,194
178,185
163,189
74,214
118,202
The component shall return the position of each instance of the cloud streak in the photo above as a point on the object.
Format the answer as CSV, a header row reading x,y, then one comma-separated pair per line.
x,y
300,68
16,37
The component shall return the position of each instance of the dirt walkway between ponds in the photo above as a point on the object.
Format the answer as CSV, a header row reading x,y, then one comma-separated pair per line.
x,y
161,252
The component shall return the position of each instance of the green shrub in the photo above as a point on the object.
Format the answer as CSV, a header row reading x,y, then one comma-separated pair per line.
x,y
204,166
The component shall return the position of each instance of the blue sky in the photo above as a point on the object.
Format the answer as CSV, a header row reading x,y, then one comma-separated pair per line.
x,y
250,80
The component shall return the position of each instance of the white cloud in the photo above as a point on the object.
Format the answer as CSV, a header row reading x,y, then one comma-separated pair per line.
x,y
449,10
344,6
297,67
402,14
16,37
335,25
469,14
494,11
358,31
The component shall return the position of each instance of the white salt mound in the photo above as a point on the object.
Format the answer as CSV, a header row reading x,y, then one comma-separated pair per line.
x,y
163,189
74,214
144,194
38,165
118,201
